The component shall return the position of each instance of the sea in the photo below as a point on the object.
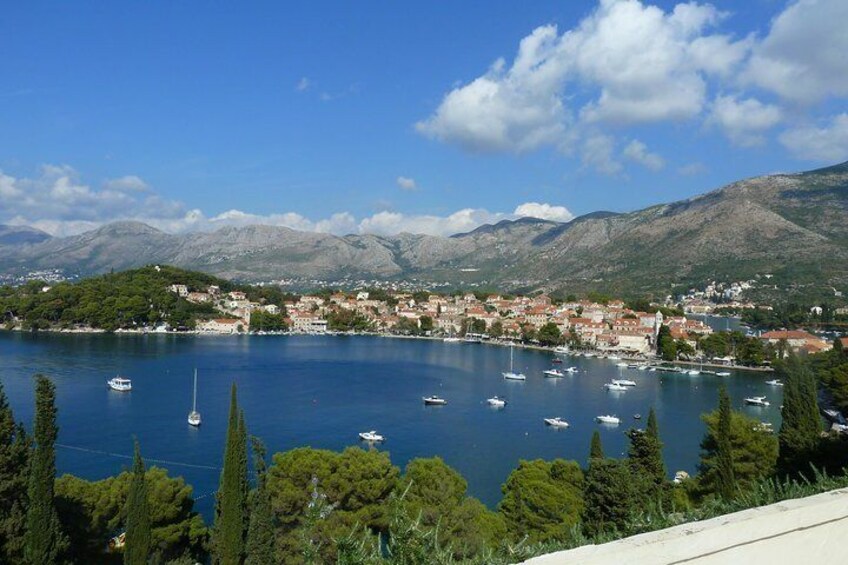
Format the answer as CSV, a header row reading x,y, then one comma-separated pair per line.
x,y
321,391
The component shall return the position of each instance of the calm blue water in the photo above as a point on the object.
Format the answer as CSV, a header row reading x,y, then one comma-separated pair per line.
x,y
322,391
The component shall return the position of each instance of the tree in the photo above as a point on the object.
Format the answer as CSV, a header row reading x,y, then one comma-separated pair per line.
x,y
425,324
596,450
14,458
542,500
549,334
610,498
645,453
44,540
725,476
799,432
137,548
666,346
753,453
231,512
497,329
260,532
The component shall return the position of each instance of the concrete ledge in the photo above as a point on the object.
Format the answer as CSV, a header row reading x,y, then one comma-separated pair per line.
x,y
804,530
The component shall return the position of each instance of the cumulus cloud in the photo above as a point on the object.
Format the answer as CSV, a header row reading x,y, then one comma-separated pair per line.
x,y
406,183
828,143
638,152
543,211
598,153
802,59
744,121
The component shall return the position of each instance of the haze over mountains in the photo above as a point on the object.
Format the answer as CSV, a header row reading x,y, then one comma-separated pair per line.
x,y
794,226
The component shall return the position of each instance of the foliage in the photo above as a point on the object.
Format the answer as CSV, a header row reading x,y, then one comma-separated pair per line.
x,y
342,320
549,334
260,532
265,321
645,458
44,541
611,496
94,511
799,432
231,520
14,460
596,449
666,346
542,499
137,547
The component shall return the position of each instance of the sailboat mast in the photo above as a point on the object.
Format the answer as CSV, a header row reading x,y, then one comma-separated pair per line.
x,y
194,394
510,357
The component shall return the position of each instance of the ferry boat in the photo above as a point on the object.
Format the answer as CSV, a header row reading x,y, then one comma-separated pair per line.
x,y
194,416
497,402
606,419
554,373
623,382
371,436
121,384
434,401
556,422
615,387
775,382
757,401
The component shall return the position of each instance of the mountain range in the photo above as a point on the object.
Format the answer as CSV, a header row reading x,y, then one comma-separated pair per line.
x,y
792,226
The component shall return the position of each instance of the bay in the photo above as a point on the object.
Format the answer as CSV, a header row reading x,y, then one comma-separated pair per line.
x,y
320,391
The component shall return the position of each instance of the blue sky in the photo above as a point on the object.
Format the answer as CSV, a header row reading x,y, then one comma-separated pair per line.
x,y
386,116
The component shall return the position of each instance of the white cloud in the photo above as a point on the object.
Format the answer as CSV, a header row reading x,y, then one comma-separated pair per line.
x,y
543,211
692,169
597,153
803,57
638,152
303,84
828,143
129,183
744,121
406,183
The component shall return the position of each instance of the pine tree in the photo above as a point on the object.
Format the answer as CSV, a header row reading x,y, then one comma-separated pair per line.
x,y
645,453
44,541
260,533
138,539
596,450
652,429
14,458
799,431
725,478
231,512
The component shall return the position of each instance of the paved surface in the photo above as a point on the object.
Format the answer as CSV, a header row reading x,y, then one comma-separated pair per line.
x,y
811,530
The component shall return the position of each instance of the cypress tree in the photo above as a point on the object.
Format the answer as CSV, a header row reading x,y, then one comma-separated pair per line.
x,y
799,432
138,539
44,541
645,453
231,511
14,458
652,429
260,533
725,477
596,450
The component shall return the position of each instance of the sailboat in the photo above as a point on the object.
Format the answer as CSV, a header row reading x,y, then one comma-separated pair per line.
x,y
194,415
512,375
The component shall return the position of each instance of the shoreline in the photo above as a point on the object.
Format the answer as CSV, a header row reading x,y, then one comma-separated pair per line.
x,y
500,343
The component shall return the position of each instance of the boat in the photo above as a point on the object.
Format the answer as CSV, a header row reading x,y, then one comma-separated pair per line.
x,y
553,373
194,415
614,358
637,416
693,373
621,365
832,414
556,360
623,382
121,384
371,436
679,477
571,370
722,374
757,401
497,402
561,349
511,374
608,420
556,422
774,382
643,367
588,354
473,340
615,387
434,401
452,339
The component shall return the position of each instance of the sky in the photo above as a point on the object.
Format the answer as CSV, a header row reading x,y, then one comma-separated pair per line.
x,y
383,117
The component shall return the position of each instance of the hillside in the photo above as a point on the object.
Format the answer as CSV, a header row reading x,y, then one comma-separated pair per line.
x,y
794,226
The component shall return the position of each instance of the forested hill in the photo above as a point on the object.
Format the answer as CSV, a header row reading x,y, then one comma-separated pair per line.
x,y
131,299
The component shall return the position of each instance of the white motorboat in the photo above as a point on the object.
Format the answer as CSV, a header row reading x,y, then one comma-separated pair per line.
x,y
511,374
614,358
607,419
473,340
371,436
643,367
554,373
497,402
623,382
775,382
571,370
121,384
680,476
434,401
561,349
556,422
588,354
693,373
615,387
757,401
451,340
621,365
194,416
722,374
